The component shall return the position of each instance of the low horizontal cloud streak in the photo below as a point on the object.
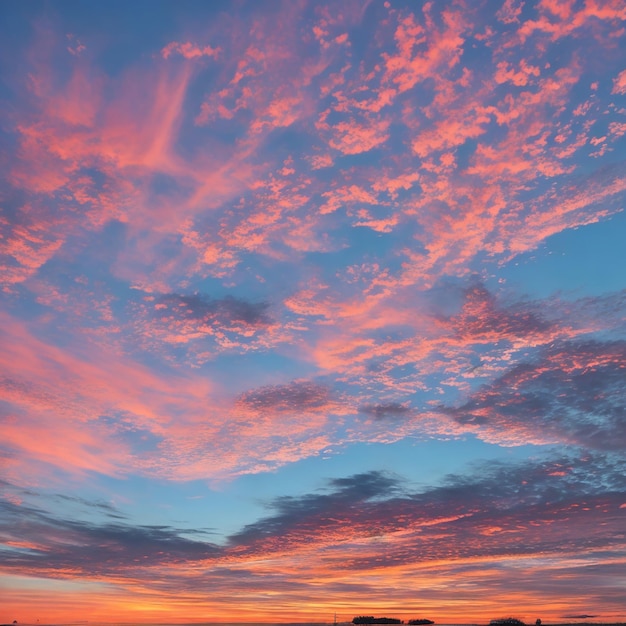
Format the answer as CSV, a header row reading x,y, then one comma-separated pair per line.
x,y
534,508
61,547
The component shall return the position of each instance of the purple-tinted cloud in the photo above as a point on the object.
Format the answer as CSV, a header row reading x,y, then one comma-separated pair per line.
x,y
385,410
523,496
225,312
294,397
572,393
60,546
565,506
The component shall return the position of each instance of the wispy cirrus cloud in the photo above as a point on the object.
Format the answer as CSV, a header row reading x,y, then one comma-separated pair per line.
x,y
103,404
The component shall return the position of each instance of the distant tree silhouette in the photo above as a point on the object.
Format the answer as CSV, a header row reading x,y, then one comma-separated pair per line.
x,y
420,622
506,621
370,619
537,622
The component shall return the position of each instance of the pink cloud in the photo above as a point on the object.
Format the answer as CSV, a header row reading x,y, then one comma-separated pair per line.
x,y
568,212
81,126
345,196
393,184
379,225
280,113
423,51
77,128
510,11
27,247
505,73
353,137
321,161
263,88
126,137
560,9
189,50
609,10
619,83
451,132
561,19
81,386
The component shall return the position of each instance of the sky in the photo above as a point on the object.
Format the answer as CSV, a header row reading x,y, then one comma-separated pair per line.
x,y
312,308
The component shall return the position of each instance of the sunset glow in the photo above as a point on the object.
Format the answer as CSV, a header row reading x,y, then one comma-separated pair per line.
x,y
312,309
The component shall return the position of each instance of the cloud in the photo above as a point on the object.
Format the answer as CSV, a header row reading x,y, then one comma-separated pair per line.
x,y
493,510
227,311
28,241
571,393
424,50
75,135
106,416
354,137
557,19
385,411
522,521
456,333
82,505
189,50
357,168
200,327
619,83
319,510
483,319
61,547
294,397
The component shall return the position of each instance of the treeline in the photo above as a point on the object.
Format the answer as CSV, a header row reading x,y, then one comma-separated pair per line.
x,y
370,619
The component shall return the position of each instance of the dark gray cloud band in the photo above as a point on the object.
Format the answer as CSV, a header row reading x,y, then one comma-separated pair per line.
x,y
566,504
